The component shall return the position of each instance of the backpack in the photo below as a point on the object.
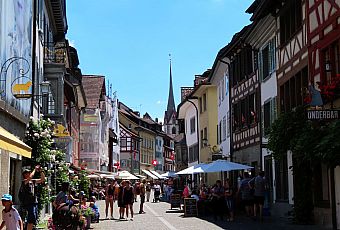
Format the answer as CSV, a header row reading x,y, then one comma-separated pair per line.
x,y
25,195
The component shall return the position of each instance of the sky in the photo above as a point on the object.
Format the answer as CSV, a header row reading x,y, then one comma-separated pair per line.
x,y
129,42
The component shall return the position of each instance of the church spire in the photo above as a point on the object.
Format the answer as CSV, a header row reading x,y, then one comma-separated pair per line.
x,y
171,102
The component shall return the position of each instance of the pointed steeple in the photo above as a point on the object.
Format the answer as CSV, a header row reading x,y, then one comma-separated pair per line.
x,y
171,102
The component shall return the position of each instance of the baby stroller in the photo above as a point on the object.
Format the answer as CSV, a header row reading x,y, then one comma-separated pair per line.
x,y
157,193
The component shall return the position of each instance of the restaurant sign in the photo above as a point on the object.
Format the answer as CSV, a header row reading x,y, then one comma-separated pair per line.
x,y
323,114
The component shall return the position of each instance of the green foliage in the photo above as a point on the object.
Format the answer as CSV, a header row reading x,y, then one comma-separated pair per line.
x,y
311,143
83,182
39,137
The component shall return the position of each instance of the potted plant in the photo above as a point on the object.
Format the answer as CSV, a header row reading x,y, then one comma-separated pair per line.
x,y
87,212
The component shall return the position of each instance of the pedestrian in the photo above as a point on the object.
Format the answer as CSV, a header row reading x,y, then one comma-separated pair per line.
x,y
259,185
148,191
218,199
136,190
128,198
120,202
246,194
229,198
62,196
142,196
10,216
27,196
109,198
157,191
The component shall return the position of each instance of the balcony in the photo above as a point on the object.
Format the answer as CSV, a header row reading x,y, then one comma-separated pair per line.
x,y
55,53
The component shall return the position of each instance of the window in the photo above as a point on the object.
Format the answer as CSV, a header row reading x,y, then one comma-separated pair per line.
x,y
204,102
192,125
224,128
291,91
241,65
174,130
290,20
228,125
244,112
267,60
266,117
205,133
200,105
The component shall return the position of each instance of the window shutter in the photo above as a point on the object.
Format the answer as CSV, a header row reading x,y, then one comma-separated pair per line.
x,y
273,109
262,120
260,66
273,55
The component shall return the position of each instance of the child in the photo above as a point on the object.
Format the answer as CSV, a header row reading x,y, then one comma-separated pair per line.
x,y
95,209
10,216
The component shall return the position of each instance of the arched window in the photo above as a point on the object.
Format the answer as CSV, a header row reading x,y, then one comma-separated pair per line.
x,y
173,130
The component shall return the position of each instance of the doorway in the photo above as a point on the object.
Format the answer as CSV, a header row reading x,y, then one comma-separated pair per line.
x,y
337,194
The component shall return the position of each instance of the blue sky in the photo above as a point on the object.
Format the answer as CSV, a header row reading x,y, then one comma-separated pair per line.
x,y
129,41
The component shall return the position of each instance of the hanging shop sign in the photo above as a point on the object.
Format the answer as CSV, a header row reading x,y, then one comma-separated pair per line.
x,y
323,114
22,90
60,131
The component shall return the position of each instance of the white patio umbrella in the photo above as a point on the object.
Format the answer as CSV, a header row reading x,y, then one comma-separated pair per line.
x,y
191,169
169,174
125,175
157,174
93,176
224,166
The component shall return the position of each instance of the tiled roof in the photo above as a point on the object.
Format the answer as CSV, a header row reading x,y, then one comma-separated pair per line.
x,y
94,87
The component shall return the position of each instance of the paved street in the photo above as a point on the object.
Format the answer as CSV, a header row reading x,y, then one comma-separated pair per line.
x,y
159,217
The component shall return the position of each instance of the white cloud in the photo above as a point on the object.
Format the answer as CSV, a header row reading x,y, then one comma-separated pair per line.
x,y
72,43
159,102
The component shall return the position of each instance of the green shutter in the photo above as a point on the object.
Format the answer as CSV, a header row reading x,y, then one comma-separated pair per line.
x,y
273,55
260,66
262,120
273,110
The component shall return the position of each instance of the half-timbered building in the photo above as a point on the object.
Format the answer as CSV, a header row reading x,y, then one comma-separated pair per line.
x,y
244,101
129,153
323,33
292,79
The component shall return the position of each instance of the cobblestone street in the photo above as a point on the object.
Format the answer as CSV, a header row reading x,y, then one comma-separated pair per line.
x,y
158,216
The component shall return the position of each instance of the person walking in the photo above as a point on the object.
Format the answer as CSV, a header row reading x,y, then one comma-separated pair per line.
x,y
246,194
128,198
229,198
10,216
121,204
218,199
148,191
109,198
259,185
27,196
142,196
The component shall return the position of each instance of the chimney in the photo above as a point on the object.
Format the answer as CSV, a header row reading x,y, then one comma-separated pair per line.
x,y
156,120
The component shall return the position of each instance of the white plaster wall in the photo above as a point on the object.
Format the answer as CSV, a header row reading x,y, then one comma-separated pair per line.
x,y
191,138
220,79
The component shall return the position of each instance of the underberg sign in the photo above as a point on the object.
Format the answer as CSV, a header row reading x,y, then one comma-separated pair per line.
x,y
323,114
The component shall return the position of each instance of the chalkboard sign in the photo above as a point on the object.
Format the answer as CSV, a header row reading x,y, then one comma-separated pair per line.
x,y
190,207
175,201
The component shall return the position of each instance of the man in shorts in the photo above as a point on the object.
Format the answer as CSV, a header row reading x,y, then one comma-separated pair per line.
x,y
28,197
259,185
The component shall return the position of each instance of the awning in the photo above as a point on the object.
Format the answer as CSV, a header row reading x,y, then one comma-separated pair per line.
x,y
12,144
157,174
149,174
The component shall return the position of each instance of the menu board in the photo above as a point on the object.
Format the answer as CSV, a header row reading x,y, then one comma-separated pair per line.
x,y
190,207
175,201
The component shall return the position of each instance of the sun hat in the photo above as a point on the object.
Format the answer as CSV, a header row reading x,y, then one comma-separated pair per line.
x,y
7,197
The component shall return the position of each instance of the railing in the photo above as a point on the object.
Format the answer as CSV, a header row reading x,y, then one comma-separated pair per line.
x,y
54,53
